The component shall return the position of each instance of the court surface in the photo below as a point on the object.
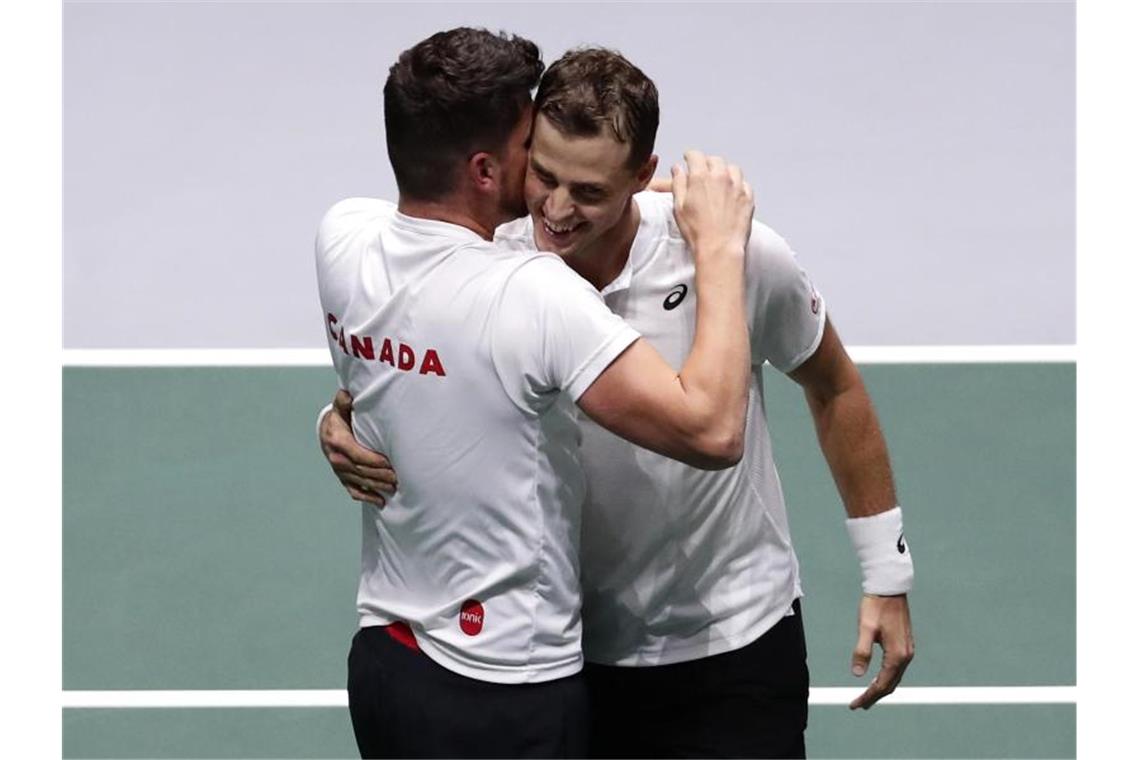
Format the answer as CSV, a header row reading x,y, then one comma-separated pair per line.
x,y
210,563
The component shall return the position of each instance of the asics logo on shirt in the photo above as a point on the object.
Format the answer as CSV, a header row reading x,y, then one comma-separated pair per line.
x,y
676,295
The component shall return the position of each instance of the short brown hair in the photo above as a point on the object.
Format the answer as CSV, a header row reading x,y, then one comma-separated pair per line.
x,y
591,89
456,93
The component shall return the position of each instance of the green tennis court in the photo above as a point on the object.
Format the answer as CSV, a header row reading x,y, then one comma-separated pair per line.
x,y
207,547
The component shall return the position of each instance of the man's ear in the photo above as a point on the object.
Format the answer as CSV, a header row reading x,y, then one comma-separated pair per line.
x,y
483,171
645,173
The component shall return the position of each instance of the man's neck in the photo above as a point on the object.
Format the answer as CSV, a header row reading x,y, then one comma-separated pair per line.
x,y
450,211
602,261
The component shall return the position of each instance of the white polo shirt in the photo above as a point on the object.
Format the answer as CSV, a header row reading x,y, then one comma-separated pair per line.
x,y
464,359
680,563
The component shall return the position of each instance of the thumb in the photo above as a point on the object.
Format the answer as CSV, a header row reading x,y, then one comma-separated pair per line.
x,y
342,402
861,657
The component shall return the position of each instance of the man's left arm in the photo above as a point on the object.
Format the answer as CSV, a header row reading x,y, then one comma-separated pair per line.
x,y
856,452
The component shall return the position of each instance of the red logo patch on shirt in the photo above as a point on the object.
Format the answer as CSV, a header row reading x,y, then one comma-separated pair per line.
x,y
814,302
471,617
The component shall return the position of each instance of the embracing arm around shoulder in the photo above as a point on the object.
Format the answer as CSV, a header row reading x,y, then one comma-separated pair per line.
x,y
696,415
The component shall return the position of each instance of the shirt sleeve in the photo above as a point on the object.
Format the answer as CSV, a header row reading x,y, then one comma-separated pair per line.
x,y
554,334
788,314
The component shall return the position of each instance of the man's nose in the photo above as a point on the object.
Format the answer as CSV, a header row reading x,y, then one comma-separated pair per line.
x,y
558,205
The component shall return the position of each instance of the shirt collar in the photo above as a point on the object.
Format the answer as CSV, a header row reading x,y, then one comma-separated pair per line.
x,y
642,240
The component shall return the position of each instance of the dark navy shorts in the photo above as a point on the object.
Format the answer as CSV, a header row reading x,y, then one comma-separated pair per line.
x,y
751,702
403,704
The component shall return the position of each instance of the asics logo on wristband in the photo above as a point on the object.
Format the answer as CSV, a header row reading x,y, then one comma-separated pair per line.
x,y
676,295
901,545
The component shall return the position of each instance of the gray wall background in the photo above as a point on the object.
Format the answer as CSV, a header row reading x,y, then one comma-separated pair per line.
x,y
919,156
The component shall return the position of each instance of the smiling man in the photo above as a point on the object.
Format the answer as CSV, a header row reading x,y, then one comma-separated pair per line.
x,y
693,633
469,361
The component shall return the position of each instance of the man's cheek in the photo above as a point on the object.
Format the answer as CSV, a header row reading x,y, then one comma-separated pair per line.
x,y
533,195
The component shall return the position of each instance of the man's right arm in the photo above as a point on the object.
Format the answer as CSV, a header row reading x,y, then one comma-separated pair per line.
x,y
696,415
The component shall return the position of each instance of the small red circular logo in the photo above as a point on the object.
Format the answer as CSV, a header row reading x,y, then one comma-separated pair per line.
x,y
471,617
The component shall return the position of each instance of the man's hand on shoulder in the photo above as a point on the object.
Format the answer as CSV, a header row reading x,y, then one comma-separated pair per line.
x,y
367,476
886,620
713,205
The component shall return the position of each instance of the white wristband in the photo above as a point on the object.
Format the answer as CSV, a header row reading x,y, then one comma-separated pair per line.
x,y
321,418
883,552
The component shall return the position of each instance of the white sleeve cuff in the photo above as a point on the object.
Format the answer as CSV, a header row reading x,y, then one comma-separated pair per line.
x,y
320,419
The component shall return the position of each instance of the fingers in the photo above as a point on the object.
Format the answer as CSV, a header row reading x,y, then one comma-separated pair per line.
x,y
337,438
887,620
661,185
735,175
361,488
359,455
716,165
884,683
696,161
861,656
368,476
366,497
377,479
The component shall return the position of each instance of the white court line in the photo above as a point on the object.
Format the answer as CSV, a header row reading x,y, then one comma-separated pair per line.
x,y
197,357
962,354
906,695
319,357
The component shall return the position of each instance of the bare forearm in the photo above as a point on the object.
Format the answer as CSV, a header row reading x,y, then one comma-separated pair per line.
x,y
856,452
715,375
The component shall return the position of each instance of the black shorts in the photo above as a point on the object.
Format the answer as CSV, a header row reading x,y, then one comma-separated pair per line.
x,y
405,705
751,702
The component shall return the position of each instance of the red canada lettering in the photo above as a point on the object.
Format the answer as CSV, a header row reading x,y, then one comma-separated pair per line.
x,y
386,352
363,348
432,364
337,336
401,356
407,357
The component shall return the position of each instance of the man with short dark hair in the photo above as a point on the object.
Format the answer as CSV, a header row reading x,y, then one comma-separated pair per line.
x,y
692,623
465,358
452,91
